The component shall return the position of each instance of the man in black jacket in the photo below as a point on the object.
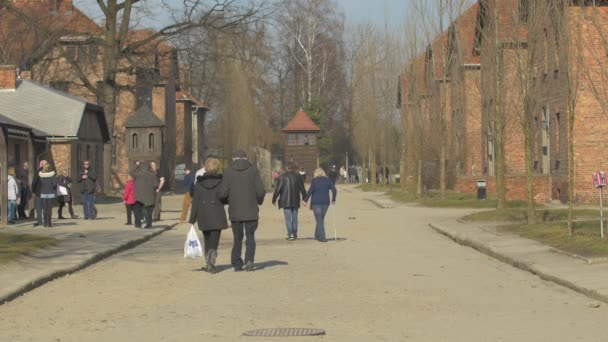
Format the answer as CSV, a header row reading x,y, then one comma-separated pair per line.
x,y
242,188
290,191
87,180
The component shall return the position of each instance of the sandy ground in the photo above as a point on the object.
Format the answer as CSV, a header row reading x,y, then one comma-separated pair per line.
x,y
390,279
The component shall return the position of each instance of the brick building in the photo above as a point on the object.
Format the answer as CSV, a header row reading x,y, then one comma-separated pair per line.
x,y
151,77
546,54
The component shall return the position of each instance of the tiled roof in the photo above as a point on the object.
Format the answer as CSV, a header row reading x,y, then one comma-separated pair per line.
x,y
144,117
187,96
301,122
50,112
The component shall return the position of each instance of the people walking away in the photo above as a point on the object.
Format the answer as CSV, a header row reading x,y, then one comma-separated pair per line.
x,y
36,193
48,191
302,174
146,184
333,174
290,192
188,190
128,198
208,211
13,196
87,180
24,189
158,194
64,194
318,194
243,189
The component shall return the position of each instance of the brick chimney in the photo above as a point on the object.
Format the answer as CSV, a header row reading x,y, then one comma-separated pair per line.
x,y
8,77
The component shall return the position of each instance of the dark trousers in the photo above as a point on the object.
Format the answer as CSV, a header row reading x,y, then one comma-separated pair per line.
x,y
70,209
47,205
212,239
139,212
38,206
130,208
240,229
25,195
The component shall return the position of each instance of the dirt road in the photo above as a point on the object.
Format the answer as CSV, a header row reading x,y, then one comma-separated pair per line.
x,y
390,279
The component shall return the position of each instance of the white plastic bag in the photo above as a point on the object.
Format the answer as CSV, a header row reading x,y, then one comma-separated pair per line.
x,y
192,247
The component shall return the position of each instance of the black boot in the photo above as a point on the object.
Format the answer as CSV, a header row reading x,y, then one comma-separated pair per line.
x,y
210,257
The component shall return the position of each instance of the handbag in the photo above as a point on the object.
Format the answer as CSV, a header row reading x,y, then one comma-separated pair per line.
x,y
62,190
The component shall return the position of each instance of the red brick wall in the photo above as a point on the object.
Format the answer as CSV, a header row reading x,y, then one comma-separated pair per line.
x,y
514,185
8,77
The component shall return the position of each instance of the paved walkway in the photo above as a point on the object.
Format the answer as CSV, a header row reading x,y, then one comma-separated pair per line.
x,y
587,276
82,243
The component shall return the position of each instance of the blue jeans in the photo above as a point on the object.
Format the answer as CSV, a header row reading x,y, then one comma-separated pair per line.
x,y
88,205
320,211
12,210
291,221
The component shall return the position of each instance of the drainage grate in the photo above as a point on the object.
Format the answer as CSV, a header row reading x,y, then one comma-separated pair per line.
x,y
276,332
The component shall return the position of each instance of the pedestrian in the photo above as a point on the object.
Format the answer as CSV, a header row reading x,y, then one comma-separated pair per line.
x,y
157,194
318,193
290,192
243,189
146,184
188,190
128,198
208,211
359,178
36,193
87,180
48,192
64,194
333,174
13,195
387,176
199,173
24,189
275,178
342,174
302,174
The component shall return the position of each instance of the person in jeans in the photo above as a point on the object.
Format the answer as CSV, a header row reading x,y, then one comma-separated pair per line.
x,y
243,190
208,211
318,193
48,192
36,193
128,198
87,180
66,182
13,196
290,192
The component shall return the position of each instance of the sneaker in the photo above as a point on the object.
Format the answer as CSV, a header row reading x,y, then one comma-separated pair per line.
x,y
290,238
238,269
249,266
211,269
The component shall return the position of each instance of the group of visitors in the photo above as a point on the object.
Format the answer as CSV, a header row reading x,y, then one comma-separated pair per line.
x,y
142,195
46,188
241,188
290,192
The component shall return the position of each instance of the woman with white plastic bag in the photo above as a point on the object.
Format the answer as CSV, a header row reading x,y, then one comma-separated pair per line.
x,y
208,211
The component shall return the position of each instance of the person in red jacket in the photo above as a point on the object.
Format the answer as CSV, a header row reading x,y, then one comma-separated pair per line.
x,y
128,198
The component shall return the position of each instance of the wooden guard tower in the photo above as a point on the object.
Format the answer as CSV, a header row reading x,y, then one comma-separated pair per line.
x,y
301,143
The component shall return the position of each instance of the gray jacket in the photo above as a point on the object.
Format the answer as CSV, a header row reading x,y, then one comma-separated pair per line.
x,y
242,188
145,187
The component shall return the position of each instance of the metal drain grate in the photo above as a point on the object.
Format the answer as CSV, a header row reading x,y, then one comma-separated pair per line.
x,y
282,332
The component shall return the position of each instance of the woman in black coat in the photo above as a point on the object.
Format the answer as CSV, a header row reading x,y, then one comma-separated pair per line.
x,y
66,182
208,211
48,192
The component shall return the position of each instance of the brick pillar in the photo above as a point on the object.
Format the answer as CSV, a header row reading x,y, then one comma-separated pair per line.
x,y
8,77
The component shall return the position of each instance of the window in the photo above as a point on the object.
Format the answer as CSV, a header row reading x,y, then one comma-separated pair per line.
x,y
82,54
557,134
292,139
151,141
92,54
524,10
310,139
70,52
134,142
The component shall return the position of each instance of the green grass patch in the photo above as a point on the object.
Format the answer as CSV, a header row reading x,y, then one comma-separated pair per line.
x,y
543,215
586,240
13,246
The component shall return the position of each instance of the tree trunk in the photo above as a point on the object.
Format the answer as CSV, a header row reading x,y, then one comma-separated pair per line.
x,y
528,163
570,163
498,122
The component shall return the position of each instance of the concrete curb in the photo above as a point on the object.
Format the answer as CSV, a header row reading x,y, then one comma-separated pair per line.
x,y
378,204
521,264
80,266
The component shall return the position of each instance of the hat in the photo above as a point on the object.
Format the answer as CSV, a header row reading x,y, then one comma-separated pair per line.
x,y
239,154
